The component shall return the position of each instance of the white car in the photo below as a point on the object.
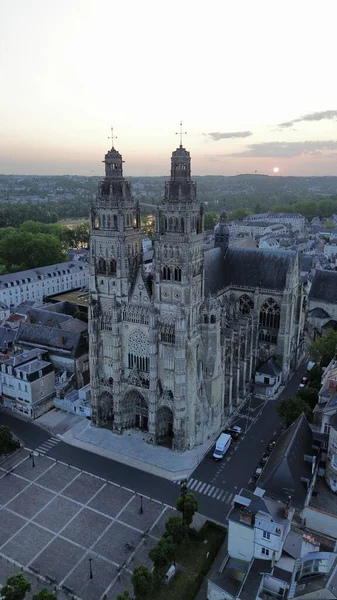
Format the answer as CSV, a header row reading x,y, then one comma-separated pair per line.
x,y
237,429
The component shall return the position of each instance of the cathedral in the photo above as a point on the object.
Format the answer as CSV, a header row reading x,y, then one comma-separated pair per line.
x,y
173,352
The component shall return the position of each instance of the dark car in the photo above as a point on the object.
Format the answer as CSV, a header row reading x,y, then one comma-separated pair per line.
x,y
232,432
271,445
264,459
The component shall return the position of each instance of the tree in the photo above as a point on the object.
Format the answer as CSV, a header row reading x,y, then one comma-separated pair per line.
x,y
7,443
210,220
15,588
175,528
142,581
309,395
291,408
44,594
124,596
323,348
163,552
188,505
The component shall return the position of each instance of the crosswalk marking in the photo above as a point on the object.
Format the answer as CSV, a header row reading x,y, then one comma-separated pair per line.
x,y
208,489
47,445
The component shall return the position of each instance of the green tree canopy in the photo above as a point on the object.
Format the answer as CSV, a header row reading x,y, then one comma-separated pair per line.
x,y
163,552
175,528
238,214
44,594
188,506
20,250
7,443
210,220
291,408
309,395
15,588
142,581
124,596
323,348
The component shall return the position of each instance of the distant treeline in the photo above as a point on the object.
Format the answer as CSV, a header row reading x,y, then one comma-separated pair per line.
x,y
14,214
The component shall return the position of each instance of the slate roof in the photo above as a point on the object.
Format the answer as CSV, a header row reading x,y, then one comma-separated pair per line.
x,y
324,286
332,324
7,336
270,368
74,325
39,316
247,267
41,273
67,342
318,313
282,474
306,262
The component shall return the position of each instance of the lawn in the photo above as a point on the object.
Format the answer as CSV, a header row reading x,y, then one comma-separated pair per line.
x,y
192,553
178,588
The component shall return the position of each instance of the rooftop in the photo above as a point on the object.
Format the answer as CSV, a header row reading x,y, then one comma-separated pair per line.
x,y
323,499
247,267
270,368
286,469
324,286
21,277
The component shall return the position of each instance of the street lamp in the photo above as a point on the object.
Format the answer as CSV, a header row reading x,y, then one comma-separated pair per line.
x,y
140,512
32,457
90,569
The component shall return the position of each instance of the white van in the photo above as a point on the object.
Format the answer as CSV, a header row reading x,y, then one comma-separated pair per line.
x,y
222,446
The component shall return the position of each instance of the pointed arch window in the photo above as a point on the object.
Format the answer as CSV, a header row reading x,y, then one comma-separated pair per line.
x,y
115,221
270,314
108,221
103,220
101,265
182,225
112,267
246,304
177,274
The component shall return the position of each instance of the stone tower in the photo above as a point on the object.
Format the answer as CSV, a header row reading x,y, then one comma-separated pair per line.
x,y
178,293
115,258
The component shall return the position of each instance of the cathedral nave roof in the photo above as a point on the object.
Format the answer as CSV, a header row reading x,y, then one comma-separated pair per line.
x,y
247,267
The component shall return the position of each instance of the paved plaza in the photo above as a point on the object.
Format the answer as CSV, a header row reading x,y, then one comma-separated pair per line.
x,y
59,525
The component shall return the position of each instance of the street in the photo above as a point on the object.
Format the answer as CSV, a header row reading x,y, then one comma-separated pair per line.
x,y
214,483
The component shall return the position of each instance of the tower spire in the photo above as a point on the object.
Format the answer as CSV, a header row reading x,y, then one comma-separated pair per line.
x,y
112,137
181,133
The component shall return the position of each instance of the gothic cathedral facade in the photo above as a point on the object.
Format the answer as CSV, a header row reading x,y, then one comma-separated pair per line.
x,y
174,352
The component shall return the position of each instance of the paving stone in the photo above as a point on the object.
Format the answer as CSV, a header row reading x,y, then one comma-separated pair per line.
x,y
111,499
86,527
118,543
27,543
10,486
31,501
144,520
58,477
83,488
58,559
31,473
58,513
122,584
91,589
141,556
9,524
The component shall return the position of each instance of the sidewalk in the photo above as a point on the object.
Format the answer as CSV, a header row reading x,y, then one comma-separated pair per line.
x,y
131,448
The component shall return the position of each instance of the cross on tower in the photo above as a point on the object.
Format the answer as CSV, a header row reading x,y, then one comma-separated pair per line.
x,y
181,133
112,136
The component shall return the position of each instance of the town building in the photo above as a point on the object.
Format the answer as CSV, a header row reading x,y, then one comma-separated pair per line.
x,y
322,302
174,351
36,284
27,383
294,221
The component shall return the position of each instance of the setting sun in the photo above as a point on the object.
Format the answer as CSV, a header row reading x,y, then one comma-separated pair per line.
x,y
276,169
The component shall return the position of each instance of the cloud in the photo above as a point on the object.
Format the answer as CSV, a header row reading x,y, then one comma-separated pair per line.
x,y
329,115
287,149
216,136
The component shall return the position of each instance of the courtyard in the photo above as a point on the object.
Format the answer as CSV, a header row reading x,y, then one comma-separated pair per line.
x,y
72,531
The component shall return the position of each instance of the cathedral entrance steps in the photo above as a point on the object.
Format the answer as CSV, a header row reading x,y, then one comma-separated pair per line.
x,y
48,445
207,489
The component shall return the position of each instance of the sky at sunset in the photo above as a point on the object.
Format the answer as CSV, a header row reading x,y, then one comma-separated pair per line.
x,y
253,82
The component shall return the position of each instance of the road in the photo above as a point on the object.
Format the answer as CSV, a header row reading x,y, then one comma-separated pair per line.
x,y
215,483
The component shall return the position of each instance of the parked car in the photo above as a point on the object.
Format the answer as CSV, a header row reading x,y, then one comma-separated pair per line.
x,y
257,473
271,445
237,429
234,434
304,382
264,459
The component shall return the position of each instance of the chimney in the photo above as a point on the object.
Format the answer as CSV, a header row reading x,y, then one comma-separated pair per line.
x,y
62,339
246,516
332,385
29,317
287,508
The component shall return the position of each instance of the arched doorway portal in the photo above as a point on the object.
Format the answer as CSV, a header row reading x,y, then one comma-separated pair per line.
x,y
135,411
165,432
105,408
